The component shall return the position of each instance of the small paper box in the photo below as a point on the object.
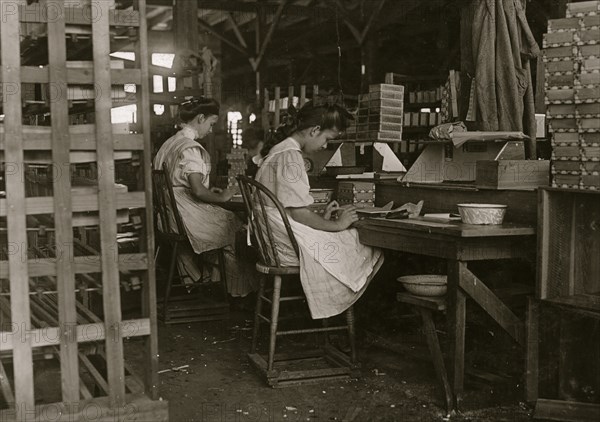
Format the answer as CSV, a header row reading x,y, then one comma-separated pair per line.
x,y
590,153
560,110
589,51
587,36
407,121
590,181
590,64
385,87
563,24
589,125
566,153
557,53
424,119
385,127
566,167
587,95
419,96
565,139
560,96
583,8
558,80
388,111
384,102
590,167
432,119
563,125
589,139
563,66
412,97
386,118
566,181
588,79
590,21
559,39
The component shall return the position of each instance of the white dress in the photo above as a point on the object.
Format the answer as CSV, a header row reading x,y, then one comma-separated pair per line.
x,y
208,226
335,268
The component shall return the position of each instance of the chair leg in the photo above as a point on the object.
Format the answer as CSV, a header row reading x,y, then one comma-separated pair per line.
x,y
274,320
222,271
436,355
257,312
351,333
172,265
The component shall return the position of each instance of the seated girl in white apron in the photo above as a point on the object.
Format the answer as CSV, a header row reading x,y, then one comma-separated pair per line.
x,y
335,267
208,226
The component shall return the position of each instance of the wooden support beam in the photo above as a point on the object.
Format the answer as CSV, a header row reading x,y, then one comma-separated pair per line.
x,y
15,197
236,30
108,214
149,285
206,26
65,281
263,48
376,11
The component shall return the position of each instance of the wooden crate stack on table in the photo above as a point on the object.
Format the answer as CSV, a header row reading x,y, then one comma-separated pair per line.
x,y
572,73
380,114
237,165
360,194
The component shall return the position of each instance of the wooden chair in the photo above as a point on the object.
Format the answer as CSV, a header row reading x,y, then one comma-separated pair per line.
x,y
281,370
171,233
425,306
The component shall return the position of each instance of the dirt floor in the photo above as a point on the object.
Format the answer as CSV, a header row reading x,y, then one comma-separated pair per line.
x,y
218,383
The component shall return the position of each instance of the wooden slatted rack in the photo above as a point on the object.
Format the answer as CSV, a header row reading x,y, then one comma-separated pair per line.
x,y
48,291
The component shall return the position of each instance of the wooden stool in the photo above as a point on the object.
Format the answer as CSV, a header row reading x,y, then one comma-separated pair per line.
x,y
425,306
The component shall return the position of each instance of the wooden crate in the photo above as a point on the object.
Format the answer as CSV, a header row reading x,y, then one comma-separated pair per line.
x,y
49,295
512,174
569,247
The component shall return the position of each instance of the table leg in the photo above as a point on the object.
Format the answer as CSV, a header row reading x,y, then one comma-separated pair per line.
x,y
456,329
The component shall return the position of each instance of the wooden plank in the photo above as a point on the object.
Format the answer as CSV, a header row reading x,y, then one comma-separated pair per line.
x,y
532,352
108,215
290,96
302,95
83,138
87,15
277,118
149,282
65,277
270,32
46,267
15,199
557,410
586,245
50,336
7,393
543,251
490,303
39,75
81,203
456,323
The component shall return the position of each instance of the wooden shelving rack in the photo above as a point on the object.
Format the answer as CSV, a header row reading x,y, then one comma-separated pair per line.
x,y
61,298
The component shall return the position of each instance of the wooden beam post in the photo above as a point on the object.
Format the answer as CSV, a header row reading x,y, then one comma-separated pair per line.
x,y
267,40
61,143
16,211
149,287
108,216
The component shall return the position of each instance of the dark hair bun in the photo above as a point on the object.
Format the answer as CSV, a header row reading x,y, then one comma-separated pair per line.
x,y
189,109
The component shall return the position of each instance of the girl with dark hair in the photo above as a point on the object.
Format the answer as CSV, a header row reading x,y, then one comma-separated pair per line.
x,y
335,267
208,226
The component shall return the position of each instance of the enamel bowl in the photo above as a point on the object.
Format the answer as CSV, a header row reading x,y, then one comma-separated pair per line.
x,y
482,213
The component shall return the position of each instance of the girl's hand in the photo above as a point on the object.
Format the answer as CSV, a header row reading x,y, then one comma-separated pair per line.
x,y
331,207
347,217
227,194
216,190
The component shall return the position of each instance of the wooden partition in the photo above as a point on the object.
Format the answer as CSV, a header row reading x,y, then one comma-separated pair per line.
x,y
60,299
271,117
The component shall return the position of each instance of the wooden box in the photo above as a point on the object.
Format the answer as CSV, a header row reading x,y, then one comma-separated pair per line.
x,y
512,174
569,247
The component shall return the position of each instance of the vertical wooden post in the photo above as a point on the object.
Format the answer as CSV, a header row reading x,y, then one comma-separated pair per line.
x,y
149,288
456,318
15,213
290,96
265,112
277,106
108,214
61,143
315,92
302,95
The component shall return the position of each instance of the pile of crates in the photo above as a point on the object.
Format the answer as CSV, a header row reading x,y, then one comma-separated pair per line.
x,y
359,194
236,160
572,83
321,198
380,114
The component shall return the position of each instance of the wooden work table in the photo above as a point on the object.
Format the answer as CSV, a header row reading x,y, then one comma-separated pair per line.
x,y
459,244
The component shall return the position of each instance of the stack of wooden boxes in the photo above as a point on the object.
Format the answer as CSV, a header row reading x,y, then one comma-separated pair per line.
x,y
572,62
380,114
359,194
237,165
322,197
